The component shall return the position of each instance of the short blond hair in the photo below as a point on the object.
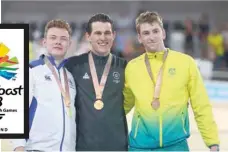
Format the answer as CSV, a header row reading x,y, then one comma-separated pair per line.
x,y
58,23
148,17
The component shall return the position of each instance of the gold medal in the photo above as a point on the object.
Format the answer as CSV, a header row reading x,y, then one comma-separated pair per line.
x,y
155,104
98,105
99,87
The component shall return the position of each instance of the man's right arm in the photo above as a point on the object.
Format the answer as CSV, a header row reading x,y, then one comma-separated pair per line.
x,y
129,100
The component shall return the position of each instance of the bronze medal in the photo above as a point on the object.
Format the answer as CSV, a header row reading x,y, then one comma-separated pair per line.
x,y
155,104
157,85
98,104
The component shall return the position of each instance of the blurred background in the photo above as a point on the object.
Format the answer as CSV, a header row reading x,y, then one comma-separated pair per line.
x,y
199,29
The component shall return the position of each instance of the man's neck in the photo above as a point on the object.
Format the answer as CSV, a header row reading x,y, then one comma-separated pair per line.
x,y
57,60
159,50
100,54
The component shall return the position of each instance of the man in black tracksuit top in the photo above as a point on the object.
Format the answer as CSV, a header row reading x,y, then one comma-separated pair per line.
x,y
101,121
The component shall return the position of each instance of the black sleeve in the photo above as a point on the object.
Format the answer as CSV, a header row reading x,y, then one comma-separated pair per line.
x,y
125,63
76,61
118,61
69,64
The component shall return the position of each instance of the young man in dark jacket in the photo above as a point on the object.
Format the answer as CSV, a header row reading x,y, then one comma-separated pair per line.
x,y
99,75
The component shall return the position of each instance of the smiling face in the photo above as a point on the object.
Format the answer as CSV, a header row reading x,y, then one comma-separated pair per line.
x,y
57,38
101,37
151,36
57,42
151,33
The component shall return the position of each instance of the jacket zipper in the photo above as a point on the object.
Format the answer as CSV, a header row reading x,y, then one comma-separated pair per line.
x,y
137,126
183,124
61,144
160,130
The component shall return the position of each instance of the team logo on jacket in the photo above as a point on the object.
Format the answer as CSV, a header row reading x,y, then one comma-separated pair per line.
x,y
86,76
172,71
47,77
116,76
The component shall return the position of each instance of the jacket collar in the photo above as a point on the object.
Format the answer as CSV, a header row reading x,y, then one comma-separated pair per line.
x,y
52,61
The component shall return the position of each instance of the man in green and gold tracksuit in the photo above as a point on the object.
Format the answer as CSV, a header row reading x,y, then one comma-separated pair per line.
x,y
160,84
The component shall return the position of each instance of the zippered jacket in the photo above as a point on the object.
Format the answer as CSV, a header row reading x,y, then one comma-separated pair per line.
x,y
50,126
181,85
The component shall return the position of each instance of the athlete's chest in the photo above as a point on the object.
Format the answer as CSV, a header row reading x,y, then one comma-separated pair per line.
x,y
115,76
173,76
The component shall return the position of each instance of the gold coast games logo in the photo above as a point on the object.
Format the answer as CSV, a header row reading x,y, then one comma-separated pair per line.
x,y
8,71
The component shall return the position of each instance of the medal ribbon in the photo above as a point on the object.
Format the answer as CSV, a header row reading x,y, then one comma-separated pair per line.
x,y
66,93
99,88
159,77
